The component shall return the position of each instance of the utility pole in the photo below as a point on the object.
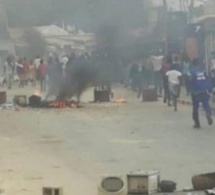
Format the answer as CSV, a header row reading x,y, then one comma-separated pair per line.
x,y
3,11
165,7
191,10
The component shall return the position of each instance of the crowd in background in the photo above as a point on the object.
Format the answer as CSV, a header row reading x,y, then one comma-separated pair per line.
x,y
152,73
24,71
53,68
138,74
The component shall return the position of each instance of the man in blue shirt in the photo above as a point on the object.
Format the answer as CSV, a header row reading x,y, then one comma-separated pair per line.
x,y
200,89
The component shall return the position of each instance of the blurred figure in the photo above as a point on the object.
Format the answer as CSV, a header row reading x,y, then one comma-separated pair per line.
x,y
54,75
174,81
177,64
157,65
140,80
9,69
36,66
166,66
212,69
133,73
42,75
64,63
25,64
20,72
143,78
213,65
201,86
186,74
32,74
72,58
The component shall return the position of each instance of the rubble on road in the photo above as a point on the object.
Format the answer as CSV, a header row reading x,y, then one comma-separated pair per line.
x,y
8,105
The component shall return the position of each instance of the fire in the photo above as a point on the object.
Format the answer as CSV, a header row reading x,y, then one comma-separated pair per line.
x,y
120,100
37,92
62,104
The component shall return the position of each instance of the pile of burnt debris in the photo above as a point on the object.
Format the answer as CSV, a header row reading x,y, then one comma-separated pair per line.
x,y
36,101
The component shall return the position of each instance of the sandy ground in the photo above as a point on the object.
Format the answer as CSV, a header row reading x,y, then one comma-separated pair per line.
x,y
73,148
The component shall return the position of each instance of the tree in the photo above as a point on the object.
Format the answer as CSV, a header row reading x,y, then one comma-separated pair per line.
x,y
36,43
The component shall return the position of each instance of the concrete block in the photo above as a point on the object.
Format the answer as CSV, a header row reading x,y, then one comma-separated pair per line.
x,y
52,191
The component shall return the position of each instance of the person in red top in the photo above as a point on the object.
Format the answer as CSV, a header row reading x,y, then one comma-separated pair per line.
x,y
42,75
166,66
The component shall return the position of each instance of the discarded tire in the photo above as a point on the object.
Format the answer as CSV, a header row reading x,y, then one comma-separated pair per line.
x,y
204,182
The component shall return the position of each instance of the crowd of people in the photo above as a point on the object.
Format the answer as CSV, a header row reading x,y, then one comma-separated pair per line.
x,y
165,74
169,74
24,71
55,68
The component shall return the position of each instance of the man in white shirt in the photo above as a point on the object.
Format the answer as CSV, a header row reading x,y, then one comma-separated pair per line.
x,y
64,62
37,65
157,65
173,77
174,80
9,66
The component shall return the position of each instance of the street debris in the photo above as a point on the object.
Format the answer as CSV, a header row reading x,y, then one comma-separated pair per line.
x,y
120,101
210,192
188,189
7,106
20,100
167,186
204,181
143,182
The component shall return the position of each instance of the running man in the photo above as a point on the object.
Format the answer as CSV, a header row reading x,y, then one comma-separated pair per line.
x,y
174,84
201,86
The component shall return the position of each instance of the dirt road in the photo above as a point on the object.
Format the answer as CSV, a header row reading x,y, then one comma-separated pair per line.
x,y
72,148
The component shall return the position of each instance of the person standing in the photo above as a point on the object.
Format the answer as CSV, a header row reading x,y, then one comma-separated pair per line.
x,y
64,62
213,65
9,68
32,74
212,69
186,74
157,65
177,64
42,75
166,66
36,65
25,64
133,73
20,72
200,87
140,79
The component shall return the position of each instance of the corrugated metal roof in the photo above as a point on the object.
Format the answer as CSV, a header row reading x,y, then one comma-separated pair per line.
x,y
175,4
205,18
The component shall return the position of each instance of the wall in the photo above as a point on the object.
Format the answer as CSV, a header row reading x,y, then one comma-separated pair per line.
x,y
209,7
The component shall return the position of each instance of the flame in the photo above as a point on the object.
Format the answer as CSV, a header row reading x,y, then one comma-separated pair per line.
x,y
37,92
62,104
120,100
